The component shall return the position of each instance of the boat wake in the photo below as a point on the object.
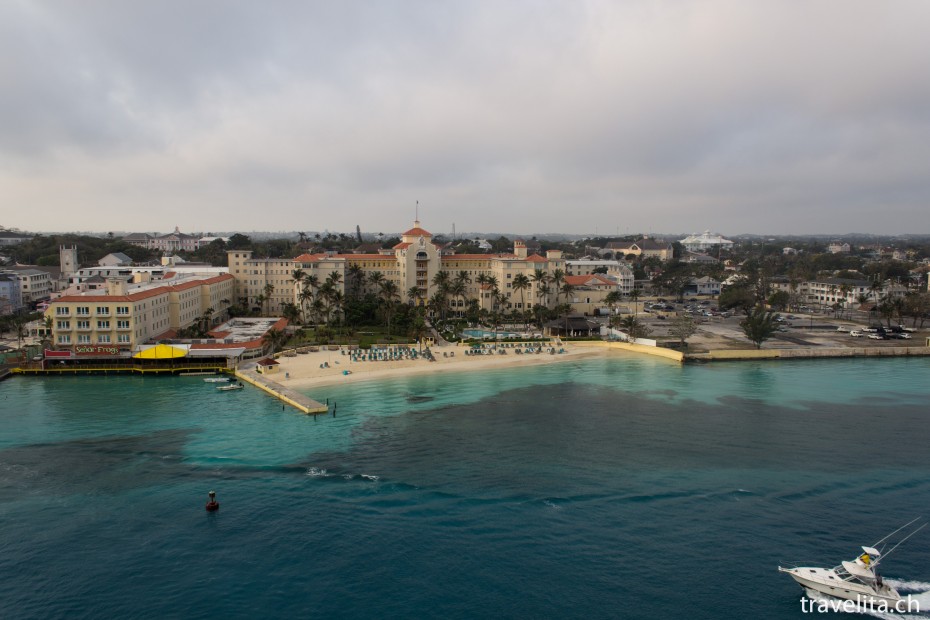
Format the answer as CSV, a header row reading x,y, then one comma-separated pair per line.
x,y
316,472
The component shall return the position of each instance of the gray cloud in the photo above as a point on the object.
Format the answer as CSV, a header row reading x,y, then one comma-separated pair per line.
x,y
776,116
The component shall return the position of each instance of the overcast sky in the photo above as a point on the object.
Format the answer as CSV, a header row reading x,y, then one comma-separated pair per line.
x,y
782,116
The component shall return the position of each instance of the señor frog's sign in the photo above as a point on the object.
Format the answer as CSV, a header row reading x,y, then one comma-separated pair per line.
x,y
96,349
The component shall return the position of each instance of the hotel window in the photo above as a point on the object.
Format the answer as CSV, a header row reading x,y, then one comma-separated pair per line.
x,y
64,324
64,338
82,310
83,324
83,339
62,311
103,310
122,309
103,338
103,325
122,325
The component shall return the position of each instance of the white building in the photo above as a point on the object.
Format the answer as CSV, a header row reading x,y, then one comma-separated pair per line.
x,y
34,284
616,270
10,296
705,241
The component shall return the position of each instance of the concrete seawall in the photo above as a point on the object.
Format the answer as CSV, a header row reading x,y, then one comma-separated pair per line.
x,y
669,354
760,354
807,353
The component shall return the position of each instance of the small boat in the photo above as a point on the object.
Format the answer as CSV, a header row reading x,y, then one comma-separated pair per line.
x,y
230,387
855,580
216,379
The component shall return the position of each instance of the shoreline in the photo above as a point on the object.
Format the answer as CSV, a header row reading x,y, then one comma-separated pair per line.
x,y
303,372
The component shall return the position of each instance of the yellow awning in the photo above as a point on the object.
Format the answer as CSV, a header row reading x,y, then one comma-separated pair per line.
x,y
161,352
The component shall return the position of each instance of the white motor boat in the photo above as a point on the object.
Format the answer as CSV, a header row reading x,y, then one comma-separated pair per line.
x,y
856,580
216,380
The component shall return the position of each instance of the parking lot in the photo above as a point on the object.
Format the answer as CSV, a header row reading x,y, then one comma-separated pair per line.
x,y
721,330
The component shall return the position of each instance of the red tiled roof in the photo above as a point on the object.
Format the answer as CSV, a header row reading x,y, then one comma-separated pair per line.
x,y
417,232
168,275
402,245
589,280
152,292
536,258
471,256
313,258
366,256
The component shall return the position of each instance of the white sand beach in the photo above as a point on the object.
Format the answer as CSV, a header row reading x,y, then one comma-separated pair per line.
x,y
303,371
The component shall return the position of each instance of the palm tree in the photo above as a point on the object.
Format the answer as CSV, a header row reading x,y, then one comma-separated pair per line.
x,y
375,278
357,276
441,282
520,283
634,295
558,276
612,299
305,295
260,300
274,338
269,291
457,290
414,294
298,277
388,297
541,281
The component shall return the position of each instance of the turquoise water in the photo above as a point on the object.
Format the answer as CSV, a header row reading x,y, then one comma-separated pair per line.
x,y
611,487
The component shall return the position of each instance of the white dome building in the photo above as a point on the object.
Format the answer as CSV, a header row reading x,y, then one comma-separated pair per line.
x,y
704,242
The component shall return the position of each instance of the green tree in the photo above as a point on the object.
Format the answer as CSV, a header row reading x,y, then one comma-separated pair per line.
x,y
634,327
520,283
683,327
740,297
273,339
759,325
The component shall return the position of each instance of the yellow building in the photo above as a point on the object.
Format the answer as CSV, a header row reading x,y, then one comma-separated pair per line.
x,y
123,317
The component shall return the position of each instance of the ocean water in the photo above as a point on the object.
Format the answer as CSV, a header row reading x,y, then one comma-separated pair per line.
x,y
613,487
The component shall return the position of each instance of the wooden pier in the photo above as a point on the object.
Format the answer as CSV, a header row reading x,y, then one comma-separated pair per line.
x,y
297,400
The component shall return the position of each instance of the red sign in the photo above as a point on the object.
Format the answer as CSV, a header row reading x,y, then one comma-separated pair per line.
x,y
96,349
50,354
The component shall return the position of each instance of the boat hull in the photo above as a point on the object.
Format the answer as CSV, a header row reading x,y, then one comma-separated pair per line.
x,y
819,580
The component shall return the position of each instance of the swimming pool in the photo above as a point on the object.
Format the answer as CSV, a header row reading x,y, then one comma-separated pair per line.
x,y
483,333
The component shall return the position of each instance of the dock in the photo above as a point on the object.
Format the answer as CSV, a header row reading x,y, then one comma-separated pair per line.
x,y
297,400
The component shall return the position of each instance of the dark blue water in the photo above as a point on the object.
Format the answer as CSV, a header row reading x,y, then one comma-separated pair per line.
x,y
611,488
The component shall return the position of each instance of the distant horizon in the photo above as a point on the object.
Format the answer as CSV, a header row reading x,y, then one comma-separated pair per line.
x,y
483,234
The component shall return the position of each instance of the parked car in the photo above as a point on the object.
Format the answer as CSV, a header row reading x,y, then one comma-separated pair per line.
x,y
876,337
856,334
900,336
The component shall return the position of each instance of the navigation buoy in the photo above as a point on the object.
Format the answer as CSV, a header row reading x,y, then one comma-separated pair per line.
x,y
212,505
